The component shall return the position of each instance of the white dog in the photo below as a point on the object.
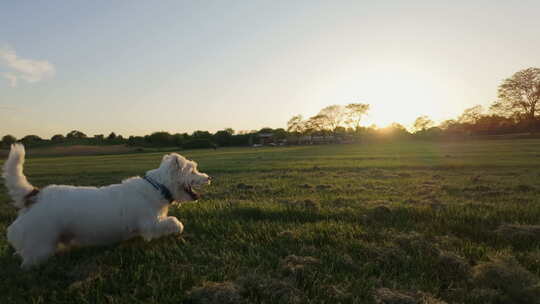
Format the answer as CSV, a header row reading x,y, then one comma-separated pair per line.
x,y
67,215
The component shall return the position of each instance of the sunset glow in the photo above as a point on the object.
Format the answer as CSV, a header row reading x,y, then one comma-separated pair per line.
x,y
185,66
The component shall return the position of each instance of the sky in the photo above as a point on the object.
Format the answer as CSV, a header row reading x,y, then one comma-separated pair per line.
x,y
135,67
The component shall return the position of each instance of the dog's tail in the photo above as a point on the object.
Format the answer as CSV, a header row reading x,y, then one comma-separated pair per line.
x,y
15,181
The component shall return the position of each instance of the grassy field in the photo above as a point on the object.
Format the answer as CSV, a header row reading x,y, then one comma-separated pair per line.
x,y
405,222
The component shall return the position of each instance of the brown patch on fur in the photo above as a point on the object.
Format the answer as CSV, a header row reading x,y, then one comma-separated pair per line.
x,y
30,198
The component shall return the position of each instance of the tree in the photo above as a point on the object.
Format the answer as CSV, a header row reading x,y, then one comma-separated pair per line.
x,y
317,123
332,116
448,124
8,140
160,139
422,123
223,138
111,136
266,130
519,95
75,135
177,139
280,134
354,112
471,115
30,139
201,134
58,138
136,141
296,124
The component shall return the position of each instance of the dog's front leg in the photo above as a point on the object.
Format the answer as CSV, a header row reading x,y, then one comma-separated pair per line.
x,y
160,227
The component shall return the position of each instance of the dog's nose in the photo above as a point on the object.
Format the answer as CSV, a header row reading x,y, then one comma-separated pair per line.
x,y
209,178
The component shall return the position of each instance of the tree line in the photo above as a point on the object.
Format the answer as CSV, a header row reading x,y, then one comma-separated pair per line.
x,y
197,139
515,111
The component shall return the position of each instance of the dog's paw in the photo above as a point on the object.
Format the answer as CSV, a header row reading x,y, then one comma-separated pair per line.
x,y
175,226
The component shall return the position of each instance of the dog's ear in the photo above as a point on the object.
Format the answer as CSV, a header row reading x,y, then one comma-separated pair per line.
x,y
177,163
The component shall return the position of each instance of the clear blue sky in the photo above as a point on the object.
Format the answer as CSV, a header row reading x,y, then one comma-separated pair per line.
x,y
134,67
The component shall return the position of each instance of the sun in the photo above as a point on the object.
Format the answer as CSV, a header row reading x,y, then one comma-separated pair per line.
x,y
402,92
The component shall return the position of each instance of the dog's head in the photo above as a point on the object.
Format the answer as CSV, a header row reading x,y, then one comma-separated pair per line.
x,y
183,177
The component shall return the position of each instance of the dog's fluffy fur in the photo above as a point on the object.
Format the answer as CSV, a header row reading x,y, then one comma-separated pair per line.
x,y
67,215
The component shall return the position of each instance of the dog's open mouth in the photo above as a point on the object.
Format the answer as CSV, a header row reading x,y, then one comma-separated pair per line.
x,y
189,190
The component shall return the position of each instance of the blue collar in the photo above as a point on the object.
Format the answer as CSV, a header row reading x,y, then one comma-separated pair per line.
x,y
165,192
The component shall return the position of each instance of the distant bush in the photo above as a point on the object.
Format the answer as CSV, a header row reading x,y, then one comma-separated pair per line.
x,y
199,144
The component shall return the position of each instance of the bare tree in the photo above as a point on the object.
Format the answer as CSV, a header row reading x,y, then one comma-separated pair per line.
x,y
354,112
519,95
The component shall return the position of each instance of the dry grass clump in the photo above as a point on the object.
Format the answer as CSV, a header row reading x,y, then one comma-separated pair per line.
x,y
336,293
390,296
504,280
522,233
214,293
288,234
452,267
449,267
251,288
294,265
415,243
259,288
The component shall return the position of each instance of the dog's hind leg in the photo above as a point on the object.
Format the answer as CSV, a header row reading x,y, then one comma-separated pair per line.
x,y
154,229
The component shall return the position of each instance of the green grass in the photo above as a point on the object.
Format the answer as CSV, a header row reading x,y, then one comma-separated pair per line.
x,y
311,224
